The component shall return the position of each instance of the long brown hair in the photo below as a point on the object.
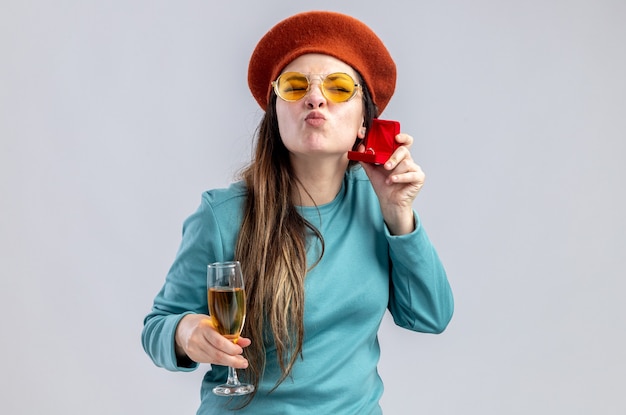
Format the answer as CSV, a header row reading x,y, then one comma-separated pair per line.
x,y
271,247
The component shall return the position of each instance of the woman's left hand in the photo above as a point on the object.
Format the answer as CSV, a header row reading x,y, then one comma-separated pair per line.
x,y
397,184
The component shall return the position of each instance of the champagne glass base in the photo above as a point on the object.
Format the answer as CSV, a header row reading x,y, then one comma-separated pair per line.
x,y
233,390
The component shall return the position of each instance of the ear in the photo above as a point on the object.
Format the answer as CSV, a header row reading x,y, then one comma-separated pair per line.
x,y
361,133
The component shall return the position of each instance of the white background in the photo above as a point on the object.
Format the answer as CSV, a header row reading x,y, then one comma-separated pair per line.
x,y
116,115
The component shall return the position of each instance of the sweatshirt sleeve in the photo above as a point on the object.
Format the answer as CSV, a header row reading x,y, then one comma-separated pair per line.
x,y
420,296
185,288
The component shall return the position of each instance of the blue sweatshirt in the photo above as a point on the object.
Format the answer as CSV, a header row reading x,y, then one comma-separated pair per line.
x,y
363,272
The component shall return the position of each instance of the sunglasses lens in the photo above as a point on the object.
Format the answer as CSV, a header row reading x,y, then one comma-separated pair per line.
x,y
292,86
339,87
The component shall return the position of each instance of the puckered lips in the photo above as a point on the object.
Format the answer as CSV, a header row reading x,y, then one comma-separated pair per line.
x,y
315,118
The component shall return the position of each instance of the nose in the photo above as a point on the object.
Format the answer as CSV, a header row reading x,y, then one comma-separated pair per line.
x,y
315,98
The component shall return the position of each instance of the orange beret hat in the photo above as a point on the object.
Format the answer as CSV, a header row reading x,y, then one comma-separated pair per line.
x,y
329,33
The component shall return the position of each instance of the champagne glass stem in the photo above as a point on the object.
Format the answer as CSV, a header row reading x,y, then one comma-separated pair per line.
x,y
233,380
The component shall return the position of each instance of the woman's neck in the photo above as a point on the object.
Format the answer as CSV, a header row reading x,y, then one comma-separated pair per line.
x,y
320,180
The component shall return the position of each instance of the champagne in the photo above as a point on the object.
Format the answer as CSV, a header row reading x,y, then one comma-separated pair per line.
x,y
227,307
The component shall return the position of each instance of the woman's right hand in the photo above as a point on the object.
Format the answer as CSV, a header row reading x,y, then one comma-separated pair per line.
x,y
197,339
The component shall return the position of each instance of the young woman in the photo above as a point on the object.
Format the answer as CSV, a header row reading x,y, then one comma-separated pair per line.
x,y
326,244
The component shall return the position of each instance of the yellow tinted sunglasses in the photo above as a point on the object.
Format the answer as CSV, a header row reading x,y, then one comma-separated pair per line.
x,y
336,87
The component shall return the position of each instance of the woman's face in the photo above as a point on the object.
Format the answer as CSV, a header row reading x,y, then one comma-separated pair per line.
x,y
315,126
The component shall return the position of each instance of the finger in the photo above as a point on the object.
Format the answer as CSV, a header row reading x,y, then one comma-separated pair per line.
x,y
404,139
402,153
407,171
219,350
224,359
212,339
222,344
218,357
243,342
408,177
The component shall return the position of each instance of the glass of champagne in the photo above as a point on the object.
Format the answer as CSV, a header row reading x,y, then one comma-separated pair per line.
x,y
227,307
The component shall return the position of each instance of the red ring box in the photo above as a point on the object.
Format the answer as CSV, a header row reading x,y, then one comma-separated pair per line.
x,y
380,142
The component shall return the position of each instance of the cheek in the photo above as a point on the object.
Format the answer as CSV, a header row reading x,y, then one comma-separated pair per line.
x,y
354,121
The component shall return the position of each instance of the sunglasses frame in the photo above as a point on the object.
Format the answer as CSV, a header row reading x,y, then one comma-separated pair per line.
x,y
322,78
